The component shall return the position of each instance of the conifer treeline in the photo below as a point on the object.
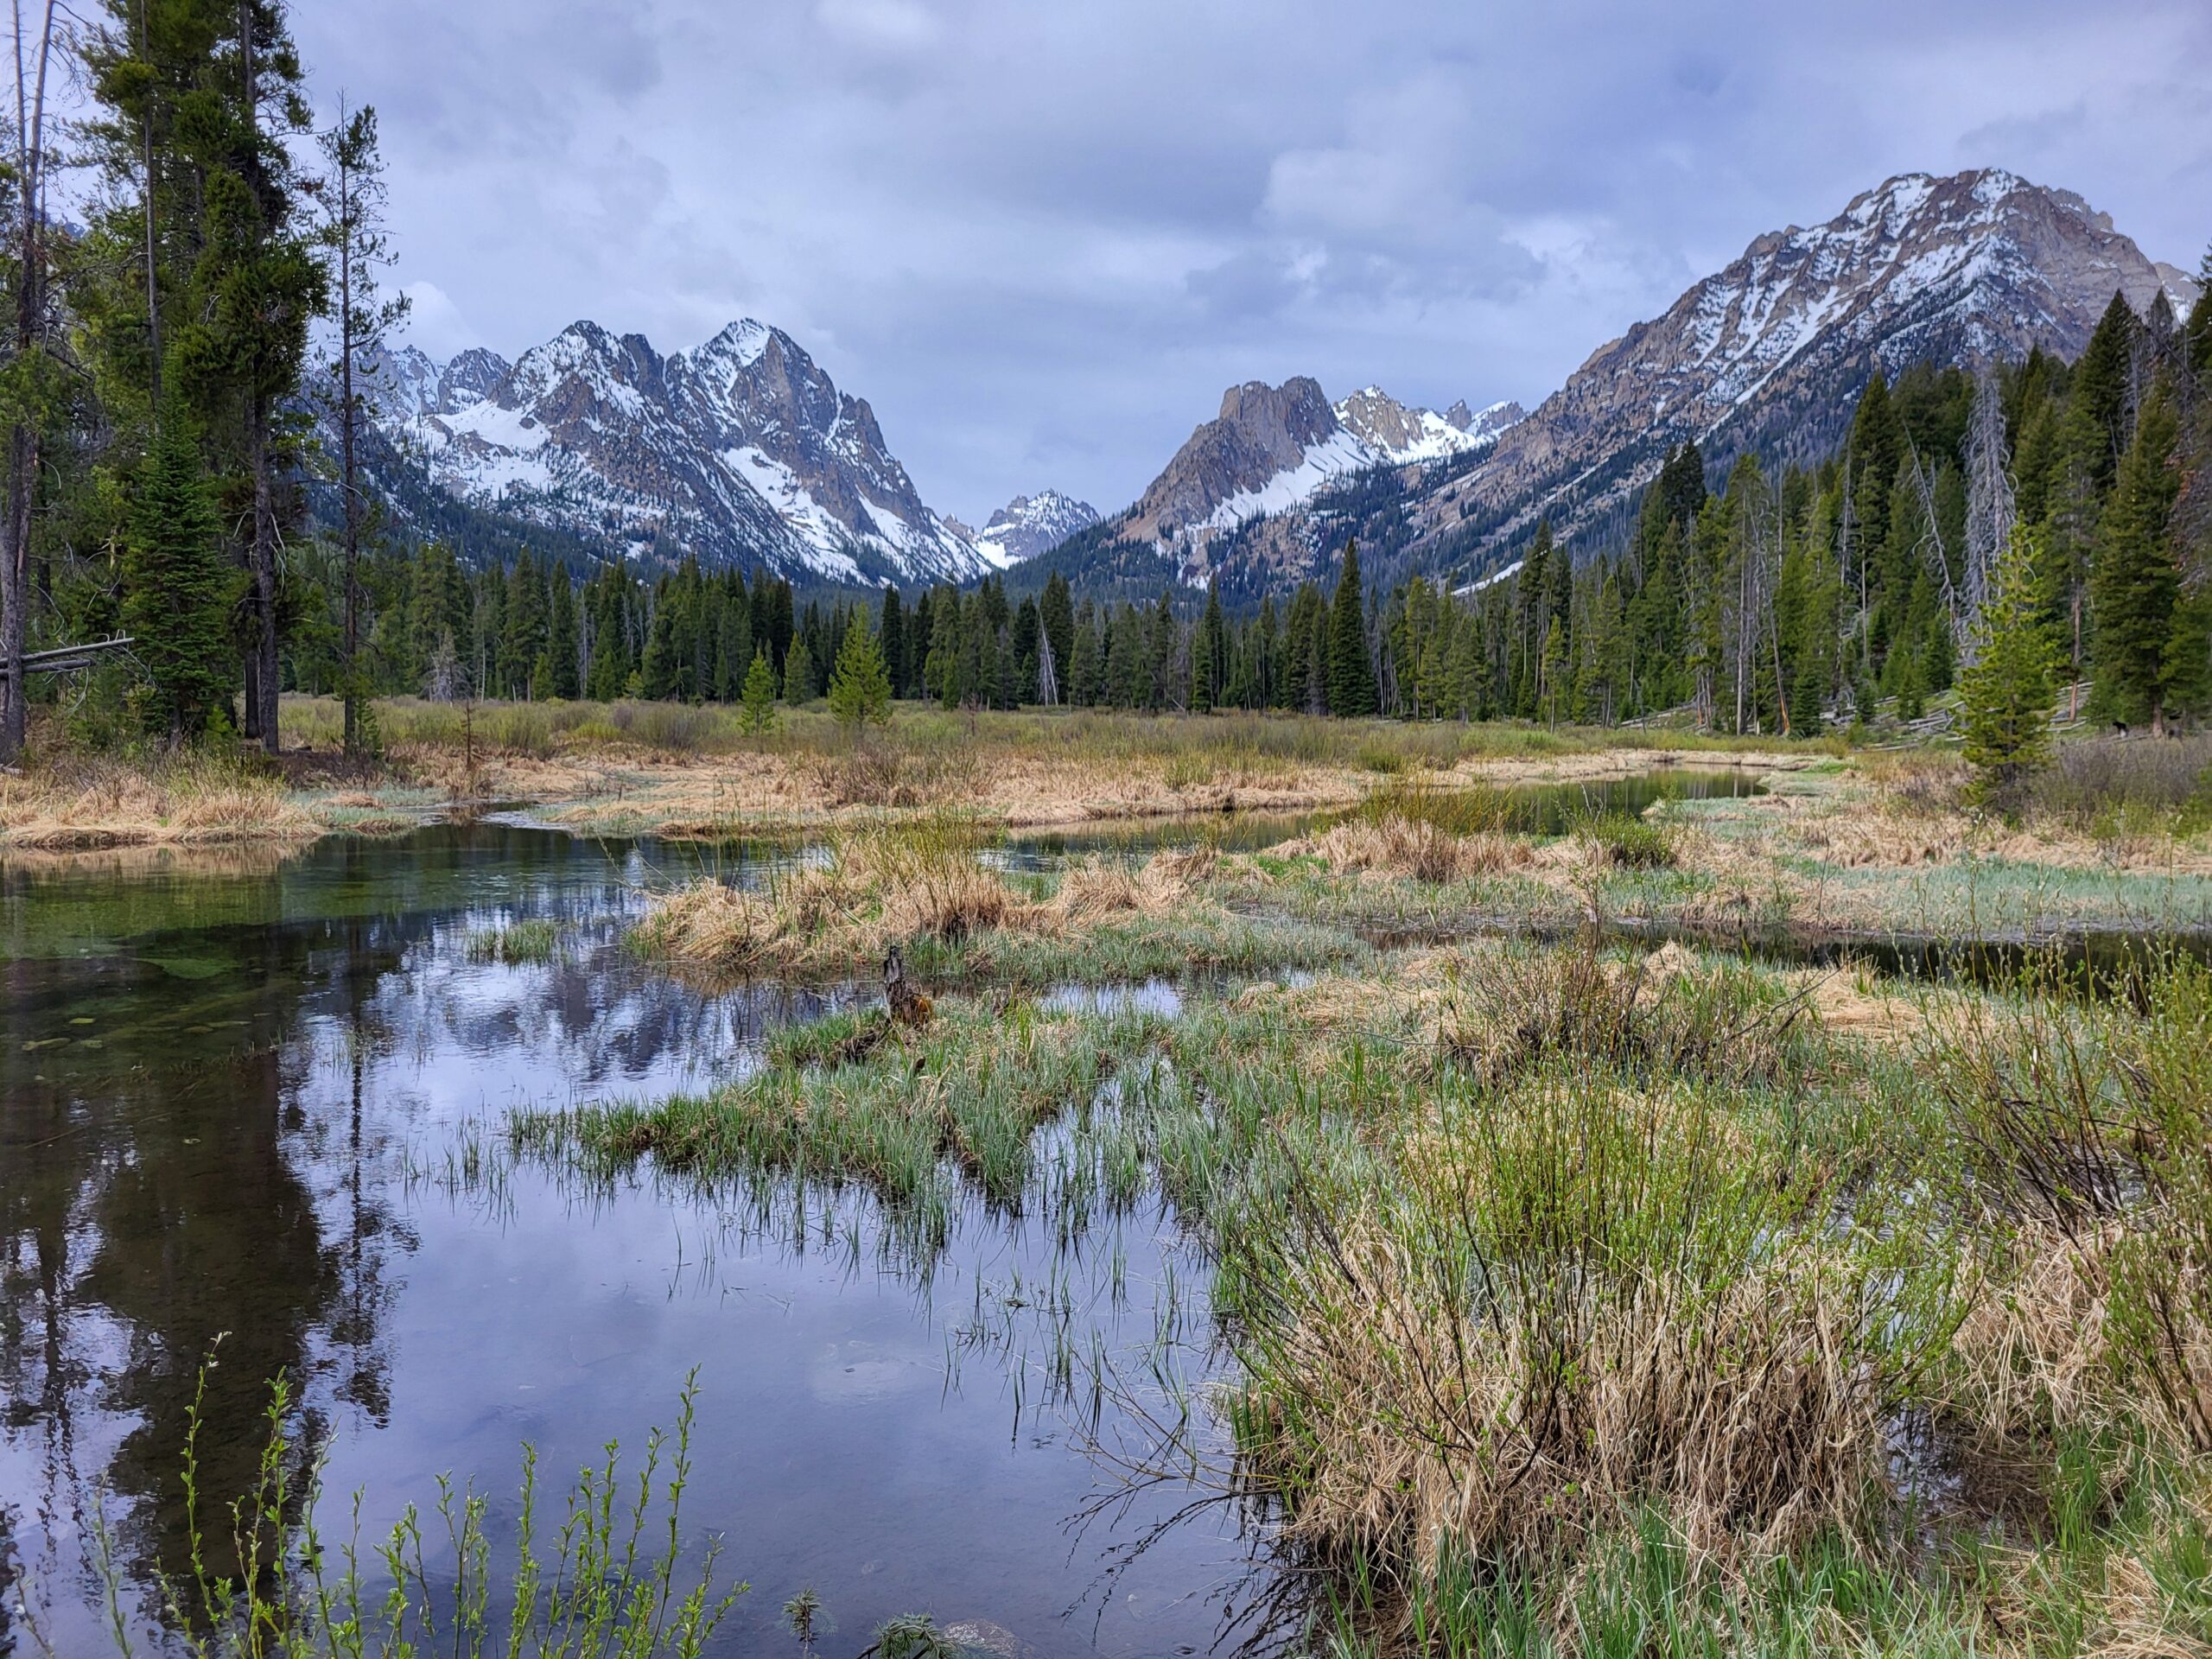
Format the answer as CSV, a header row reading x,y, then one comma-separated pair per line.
x,y
1771,604
159,404
155,391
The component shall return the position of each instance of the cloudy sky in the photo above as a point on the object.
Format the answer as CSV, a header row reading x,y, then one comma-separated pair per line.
x,y
1040,236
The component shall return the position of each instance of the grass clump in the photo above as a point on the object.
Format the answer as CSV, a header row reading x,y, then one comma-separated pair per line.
x,y
910,1118
194,797
1569,1302
1625,841
1423,830
1657,1017
2085,1130
920,882
516,944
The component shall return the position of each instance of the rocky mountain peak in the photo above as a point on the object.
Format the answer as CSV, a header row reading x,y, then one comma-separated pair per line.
x,y
1030,525
1398,432
743,451
1768,352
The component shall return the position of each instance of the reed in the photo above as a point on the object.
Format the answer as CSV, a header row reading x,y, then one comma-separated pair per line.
x,y
265,1581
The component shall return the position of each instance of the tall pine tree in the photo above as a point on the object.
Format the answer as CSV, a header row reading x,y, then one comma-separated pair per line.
x,y
1350,675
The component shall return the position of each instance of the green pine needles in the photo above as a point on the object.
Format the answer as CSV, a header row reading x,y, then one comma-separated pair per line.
x,y
860,685
2006,695
180,588
1352,676
760,695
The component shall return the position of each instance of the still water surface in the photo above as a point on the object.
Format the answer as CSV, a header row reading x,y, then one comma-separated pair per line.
x,y
233,1103
254,1096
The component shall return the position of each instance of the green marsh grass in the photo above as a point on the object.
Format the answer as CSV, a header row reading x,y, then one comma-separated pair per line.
x,y
1576,1298
608,1577
535,940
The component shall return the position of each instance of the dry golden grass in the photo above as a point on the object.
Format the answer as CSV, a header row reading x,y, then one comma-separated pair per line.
x,y
1909,813
1571,1393
1395,846
83,805
2032,1354
881,887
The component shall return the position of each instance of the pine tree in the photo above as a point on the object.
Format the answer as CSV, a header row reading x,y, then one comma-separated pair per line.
x,y
1551,674
860,685
356,247
1351,676
561,645
2135,583
891,631
760,695
2005,693
179,588
799,671
2098,399
1208,653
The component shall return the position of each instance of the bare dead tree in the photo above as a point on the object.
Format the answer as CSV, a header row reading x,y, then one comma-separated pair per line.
x,y
1991,511
351,196
1931,547
1048,682
34,59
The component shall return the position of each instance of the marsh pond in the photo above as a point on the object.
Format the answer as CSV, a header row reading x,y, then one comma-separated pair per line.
x,y
253,1110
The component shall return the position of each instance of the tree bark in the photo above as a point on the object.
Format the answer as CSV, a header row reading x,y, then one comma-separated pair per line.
x,y
265,581
14,590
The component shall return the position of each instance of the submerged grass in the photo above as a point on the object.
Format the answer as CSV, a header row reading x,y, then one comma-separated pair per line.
x,y
265,1582
536,940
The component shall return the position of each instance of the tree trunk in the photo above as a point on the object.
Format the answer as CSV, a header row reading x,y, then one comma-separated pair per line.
x,y
15,590
262,675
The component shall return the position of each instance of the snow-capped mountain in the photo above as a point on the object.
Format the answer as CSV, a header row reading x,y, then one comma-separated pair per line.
x,y
741,451
1770,354
1396,432
1030,525
1272,448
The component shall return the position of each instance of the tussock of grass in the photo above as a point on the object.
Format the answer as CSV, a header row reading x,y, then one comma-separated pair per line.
x,y
1571,1302
1413,847
2088,1128
193,798
1659,1017
882,774
904,1117
918,881
533,941
1621,840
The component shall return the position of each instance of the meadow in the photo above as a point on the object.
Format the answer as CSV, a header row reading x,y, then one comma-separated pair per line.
x,y
1599,1256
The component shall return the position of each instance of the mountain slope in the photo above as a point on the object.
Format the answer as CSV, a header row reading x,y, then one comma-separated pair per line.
x,y
1768,354
1271,449
1030,525
743,451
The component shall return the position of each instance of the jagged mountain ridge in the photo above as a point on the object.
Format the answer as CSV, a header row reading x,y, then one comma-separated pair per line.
x,y
1768,354
741,451
1029,526
1272,449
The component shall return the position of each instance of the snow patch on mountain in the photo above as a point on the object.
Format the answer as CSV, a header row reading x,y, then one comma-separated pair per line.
x,y
740,451
1030,525
1403,434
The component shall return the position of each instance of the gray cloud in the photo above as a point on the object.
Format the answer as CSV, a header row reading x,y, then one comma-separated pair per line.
x,y
1041,238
